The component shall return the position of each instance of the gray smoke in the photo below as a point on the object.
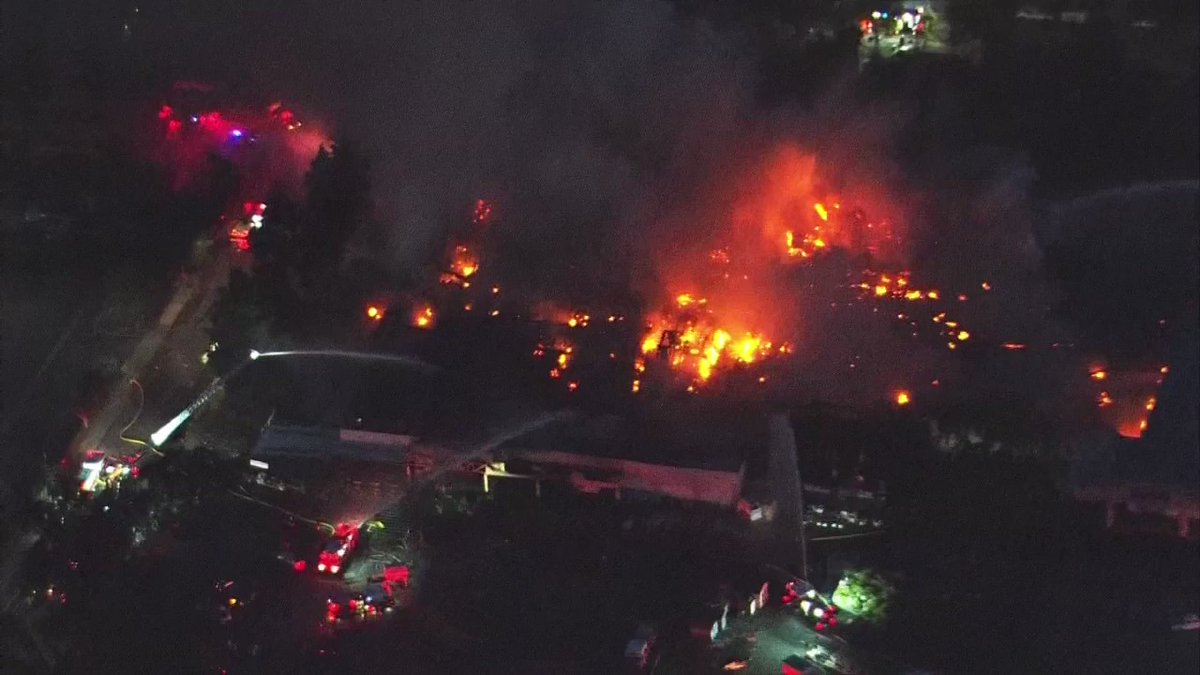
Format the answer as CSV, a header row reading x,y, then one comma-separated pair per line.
x,y
612,134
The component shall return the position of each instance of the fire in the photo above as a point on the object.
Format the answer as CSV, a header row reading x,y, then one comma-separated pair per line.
x,y
710,321
374,313
697,344
1099,375
650,343
423,317
804,247
464,264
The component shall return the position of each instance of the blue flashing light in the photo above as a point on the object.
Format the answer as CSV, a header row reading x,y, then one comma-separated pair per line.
x,y
236,133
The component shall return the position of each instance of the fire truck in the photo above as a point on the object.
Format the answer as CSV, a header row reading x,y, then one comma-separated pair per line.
x,y
337,552
243,222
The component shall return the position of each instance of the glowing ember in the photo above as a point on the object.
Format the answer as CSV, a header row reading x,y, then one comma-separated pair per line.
x,y
374,313
903,398
1099,375
464,264
483,212
423,317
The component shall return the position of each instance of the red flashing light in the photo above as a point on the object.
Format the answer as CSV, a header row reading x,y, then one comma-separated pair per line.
x,y
833,621
335,569
820,627
165,112
397,575
174,127
300,565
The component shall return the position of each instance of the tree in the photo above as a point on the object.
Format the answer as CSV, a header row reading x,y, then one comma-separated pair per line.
x,y
239,322
337,201
864,593
276,259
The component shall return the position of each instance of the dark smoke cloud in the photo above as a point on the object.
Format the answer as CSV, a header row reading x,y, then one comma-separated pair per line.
x,y
616,136
589,123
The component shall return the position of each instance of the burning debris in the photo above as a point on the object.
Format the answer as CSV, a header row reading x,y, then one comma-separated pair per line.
x,y
423,317
1126,397
689,338
710,327
790,275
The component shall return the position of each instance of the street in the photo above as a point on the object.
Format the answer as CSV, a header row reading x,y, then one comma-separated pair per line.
x,y
164,363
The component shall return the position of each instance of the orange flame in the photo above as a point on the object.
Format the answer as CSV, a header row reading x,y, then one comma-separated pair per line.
x,y
423,317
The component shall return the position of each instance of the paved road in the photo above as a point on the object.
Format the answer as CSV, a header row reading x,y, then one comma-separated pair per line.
x,y
165,361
